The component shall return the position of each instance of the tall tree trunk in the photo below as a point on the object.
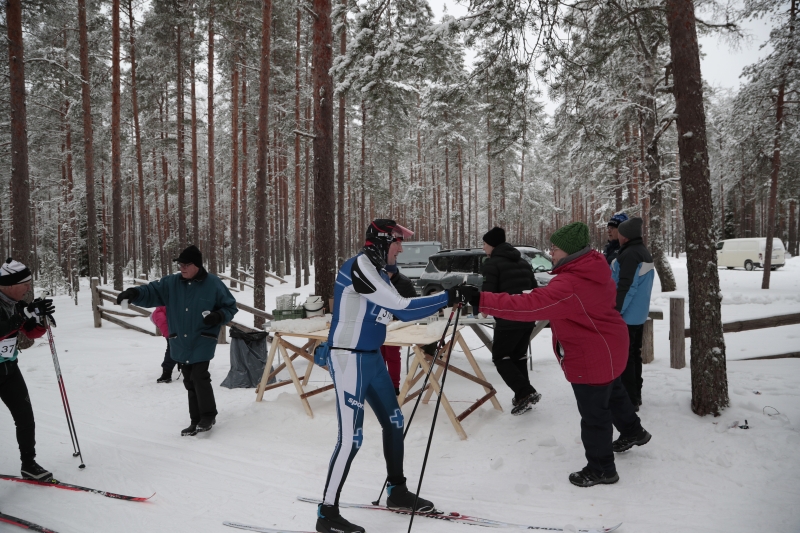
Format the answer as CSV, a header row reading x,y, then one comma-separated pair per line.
x,y
212,220
179,121
244,258
306,187
235,164
20,182
165,175
297,192
159,233
709,374
341,235
116,162
656,185
262,152
88,144
195,179
138,136
324,205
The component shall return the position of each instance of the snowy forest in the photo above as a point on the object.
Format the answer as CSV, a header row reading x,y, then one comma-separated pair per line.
x,y
269,134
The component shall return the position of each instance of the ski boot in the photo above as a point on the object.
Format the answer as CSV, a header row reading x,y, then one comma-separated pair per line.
x,y
625,443
32,470
330,521
399,497
588,478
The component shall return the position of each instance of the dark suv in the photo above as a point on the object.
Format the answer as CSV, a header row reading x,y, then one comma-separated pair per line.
x,y
449,267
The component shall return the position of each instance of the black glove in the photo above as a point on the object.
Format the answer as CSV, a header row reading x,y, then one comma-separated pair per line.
x,y
40,307
213,318
464,294
128,294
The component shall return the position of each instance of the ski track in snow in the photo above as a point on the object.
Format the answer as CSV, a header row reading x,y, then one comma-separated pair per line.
x,y
697,474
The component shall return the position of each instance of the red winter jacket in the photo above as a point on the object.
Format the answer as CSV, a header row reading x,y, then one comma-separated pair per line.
x,y
590,338
159,318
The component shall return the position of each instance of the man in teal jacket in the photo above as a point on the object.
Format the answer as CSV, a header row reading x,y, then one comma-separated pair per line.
x,y
198,304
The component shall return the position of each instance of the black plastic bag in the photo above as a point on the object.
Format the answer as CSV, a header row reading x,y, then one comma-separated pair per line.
x,y
248,359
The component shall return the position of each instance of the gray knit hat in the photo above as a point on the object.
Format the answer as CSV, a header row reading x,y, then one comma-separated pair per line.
x,y
632,228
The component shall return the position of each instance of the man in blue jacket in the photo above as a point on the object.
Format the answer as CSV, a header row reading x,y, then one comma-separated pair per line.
x,y
198,304
364,303
633,272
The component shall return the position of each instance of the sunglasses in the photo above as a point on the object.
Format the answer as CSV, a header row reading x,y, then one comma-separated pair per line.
x,y
184,265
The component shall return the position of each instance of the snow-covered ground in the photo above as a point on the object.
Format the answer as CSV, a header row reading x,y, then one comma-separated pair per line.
x,y
697,474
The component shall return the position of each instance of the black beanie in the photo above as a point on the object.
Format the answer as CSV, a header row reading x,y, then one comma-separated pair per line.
x,y
191,255
632,228
495,237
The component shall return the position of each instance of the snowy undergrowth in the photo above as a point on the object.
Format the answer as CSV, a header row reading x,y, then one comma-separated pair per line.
x,y
697,474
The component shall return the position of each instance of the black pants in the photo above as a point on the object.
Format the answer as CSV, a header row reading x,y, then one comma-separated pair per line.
x,y
14,394
509,355
169,363
197,381
632,376
600,408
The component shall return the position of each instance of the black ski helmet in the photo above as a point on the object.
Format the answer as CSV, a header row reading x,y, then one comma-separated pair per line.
x,y
382,232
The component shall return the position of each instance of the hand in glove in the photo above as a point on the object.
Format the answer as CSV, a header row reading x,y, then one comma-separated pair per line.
x,y
128,294
40,307
213,318
464,294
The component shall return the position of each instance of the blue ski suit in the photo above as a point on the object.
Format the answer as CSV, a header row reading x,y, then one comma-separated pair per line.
x,y
364,303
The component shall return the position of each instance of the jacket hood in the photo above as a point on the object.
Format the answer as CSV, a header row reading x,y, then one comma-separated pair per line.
x,y
591,266
506,251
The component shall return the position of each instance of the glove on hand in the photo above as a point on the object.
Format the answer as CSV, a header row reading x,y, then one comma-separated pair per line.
x,y
464,294
40,307
128,294
213,318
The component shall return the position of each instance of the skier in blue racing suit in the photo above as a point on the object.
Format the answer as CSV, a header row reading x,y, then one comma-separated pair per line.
x,y
364,303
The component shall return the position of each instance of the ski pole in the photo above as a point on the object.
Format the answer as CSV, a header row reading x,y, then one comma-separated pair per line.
x,y
435,415
73,434
439,347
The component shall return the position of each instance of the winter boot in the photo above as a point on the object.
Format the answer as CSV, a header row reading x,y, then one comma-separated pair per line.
x,y
190,431
399,497
625,443
588,478
330,521
526,403
166,377
32,470
205,424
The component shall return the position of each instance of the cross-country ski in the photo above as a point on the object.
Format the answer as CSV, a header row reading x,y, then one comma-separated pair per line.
x,y
450,516
513,264
68,486
24,524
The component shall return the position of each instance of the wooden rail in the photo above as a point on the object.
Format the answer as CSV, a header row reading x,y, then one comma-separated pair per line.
x,y
678,333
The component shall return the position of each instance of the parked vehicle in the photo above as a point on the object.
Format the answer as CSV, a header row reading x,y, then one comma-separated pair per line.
x,y
415,256
749,253
448,267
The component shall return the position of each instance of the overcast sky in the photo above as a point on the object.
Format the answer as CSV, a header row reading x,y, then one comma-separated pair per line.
x,y
721,64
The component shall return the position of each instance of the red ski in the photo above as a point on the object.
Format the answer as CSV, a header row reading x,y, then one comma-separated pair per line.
x,y
24,524
66,486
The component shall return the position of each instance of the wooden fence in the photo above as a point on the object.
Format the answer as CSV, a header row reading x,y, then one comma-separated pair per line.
x,y
678,333
115,315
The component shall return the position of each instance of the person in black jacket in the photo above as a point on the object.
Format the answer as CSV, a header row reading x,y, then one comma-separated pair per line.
x,y
506,271
611,251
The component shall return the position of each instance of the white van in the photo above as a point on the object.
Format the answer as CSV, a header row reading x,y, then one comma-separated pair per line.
x,y
749,253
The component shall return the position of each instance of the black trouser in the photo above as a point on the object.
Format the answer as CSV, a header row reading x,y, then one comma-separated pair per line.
x,y
632,376
14,394
169,363
197,381
509,355
600,407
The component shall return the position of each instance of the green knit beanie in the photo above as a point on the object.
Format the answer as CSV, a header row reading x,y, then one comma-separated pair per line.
x,y
572,237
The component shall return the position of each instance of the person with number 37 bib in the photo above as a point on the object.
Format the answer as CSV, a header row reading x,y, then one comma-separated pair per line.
x,y
364,303
17,317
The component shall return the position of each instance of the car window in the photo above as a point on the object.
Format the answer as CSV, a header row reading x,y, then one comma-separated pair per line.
x,y
416,253
463,263
538,260
442,263
720,244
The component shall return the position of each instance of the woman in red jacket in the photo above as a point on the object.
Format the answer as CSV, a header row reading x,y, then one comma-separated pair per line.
x,y
590,340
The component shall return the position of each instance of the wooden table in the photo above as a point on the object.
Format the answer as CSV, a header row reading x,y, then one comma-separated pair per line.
x,y
415,337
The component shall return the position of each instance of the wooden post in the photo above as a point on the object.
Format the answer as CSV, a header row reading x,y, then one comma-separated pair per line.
x,y
221,338
677,338
648,353
96,301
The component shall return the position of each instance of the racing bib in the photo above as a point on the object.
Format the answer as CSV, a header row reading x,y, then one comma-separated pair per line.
x,y
8,346
384,317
